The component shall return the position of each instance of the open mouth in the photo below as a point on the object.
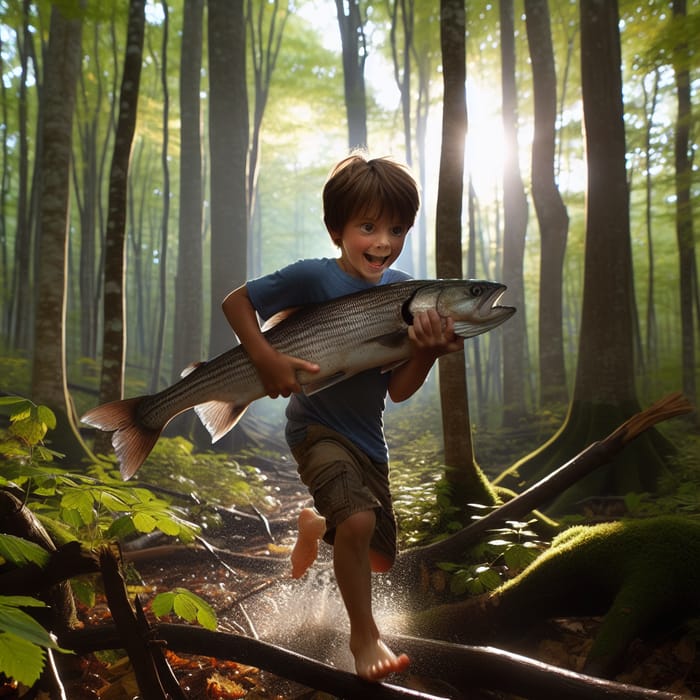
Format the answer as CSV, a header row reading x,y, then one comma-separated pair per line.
x,y
489,305
377,260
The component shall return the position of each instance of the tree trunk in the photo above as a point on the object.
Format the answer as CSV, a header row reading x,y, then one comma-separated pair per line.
x,y
515,226
604,391
684,211
49,385
228,143
162,247
189,290
551,212
352,38
114,337
265,48
456,425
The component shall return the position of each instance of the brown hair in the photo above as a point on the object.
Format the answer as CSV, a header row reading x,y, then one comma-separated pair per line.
x,y
373,187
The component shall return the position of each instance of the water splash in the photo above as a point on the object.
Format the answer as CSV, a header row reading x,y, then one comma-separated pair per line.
x,y
307,615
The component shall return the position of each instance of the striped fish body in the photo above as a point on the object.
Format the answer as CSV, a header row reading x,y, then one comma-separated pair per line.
x,y
342,336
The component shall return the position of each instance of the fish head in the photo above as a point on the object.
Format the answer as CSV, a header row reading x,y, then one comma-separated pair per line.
x,y
472,304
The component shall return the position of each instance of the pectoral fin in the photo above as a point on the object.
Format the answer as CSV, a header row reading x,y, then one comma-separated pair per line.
x,y
218,417
314,387
391,340
465,329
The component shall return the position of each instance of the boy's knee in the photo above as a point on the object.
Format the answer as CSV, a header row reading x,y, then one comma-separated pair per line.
x,y
359,525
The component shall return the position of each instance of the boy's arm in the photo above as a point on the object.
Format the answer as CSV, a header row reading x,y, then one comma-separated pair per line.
x,y
277,371
431,338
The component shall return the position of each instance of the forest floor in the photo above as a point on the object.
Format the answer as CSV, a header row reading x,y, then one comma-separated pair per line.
x,y
307,617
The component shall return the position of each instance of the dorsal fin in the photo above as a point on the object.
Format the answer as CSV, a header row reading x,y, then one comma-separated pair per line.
x,y
279,317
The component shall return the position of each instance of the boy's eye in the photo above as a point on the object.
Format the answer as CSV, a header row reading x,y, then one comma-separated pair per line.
x,y
398,230
367,227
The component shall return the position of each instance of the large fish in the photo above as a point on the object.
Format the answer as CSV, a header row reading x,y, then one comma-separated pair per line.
x,y
343,336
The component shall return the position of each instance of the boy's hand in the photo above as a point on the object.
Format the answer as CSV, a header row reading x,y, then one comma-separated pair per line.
x,y
434,334
278,372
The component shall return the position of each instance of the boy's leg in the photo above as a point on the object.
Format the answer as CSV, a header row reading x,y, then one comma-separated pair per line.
x,y
351,560
311,528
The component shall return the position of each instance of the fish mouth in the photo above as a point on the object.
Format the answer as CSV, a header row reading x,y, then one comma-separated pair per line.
x,y
489,307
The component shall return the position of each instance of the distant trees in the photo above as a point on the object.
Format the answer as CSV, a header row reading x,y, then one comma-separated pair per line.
x,y
188,342
49,383
604,390
228,153
684,210
114,294
515,216
459,450
353,41
552,216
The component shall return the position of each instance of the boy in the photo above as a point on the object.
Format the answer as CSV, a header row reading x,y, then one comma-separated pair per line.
x,y
336,435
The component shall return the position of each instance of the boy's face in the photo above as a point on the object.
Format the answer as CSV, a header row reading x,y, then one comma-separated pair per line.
x,y
368,246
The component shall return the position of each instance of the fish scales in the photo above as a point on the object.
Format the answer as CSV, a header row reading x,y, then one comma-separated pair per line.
x,y
343,336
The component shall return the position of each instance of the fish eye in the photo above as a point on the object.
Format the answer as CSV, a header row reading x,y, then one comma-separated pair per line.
x,y
476,290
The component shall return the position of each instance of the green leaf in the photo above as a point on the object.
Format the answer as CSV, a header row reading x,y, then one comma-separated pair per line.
x,y
14,401
162,604
20,659
168,526
46,416
520,556
186,605
83,591
80,501
144,522
19,623
31,431
20,551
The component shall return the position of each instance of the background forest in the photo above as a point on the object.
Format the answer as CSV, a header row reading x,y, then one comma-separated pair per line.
x,y
228,117
155,155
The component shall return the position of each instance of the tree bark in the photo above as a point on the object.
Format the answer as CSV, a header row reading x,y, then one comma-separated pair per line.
x,y
456,425
228,144
684,210
49,385
514,333
114,312
352,39
551,213
189,289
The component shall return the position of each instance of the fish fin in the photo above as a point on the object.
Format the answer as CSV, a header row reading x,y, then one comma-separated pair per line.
x,y
132,442
192,367
279,317
393,365
391,340
219,417
311,388
464,329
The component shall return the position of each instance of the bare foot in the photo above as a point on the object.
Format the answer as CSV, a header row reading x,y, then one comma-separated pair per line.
x,y
311,528
376,661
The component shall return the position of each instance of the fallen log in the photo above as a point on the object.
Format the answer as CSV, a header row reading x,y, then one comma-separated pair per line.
x,y
466,668
595,455
489,667
185,639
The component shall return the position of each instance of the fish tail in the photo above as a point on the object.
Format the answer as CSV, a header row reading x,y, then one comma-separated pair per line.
x,y
132,442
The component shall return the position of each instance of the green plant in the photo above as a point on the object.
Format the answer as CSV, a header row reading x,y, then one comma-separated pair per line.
x,y
510,552
92,508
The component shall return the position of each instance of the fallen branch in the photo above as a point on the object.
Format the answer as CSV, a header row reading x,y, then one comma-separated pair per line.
x,y
487,667
466,668
595,455
185,639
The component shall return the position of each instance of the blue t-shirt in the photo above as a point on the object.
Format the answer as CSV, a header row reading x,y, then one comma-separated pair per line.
x,y
353,407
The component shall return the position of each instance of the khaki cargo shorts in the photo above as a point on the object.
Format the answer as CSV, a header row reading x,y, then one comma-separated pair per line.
x,y
343,480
